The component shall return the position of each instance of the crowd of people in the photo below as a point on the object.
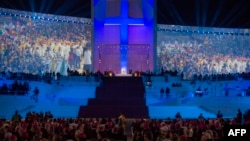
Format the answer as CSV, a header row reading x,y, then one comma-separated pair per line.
x,y
32,42
196,53
15,88
43,127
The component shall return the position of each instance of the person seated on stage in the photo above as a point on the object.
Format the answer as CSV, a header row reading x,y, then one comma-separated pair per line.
x,y
248,91
106,73
178,85
201,116
173,85
130,71
178,115
219,115
199,88
198,92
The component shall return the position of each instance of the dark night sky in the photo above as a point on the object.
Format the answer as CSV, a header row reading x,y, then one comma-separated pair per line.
x,y
208,13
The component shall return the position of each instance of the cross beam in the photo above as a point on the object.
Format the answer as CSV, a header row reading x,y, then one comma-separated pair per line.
x,y
124,21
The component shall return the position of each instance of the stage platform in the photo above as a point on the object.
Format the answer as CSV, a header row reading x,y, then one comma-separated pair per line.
x,y
64,99
123,75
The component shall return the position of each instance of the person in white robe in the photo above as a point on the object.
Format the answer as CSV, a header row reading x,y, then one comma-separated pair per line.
x,y
87,59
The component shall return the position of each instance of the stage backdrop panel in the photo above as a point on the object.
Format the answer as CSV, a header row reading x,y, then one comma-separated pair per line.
x,y
131,22
35,42
203,50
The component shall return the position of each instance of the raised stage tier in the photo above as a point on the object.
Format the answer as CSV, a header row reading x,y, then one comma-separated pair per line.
x,y
117,95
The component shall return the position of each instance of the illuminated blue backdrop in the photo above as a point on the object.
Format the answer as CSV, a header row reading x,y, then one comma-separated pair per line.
x,y
126,29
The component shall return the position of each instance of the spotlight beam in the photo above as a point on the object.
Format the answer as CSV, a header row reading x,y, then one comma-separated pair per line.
x,y
164,17
201,12
166,14
32,5
176,16
197,5
173,16
217,13
204,12
43,3
49,5
233,11
232,20
64,7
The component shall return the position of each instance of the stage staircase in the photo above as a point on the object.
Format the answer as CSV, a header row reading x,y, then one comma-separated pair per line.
x,y
115,95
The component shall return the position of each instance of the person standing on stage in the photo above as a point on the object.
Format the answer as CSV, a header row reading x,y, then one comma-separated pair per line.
x,y
239,117
35,95
226,89
87,59
78,57
161,93
167,92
